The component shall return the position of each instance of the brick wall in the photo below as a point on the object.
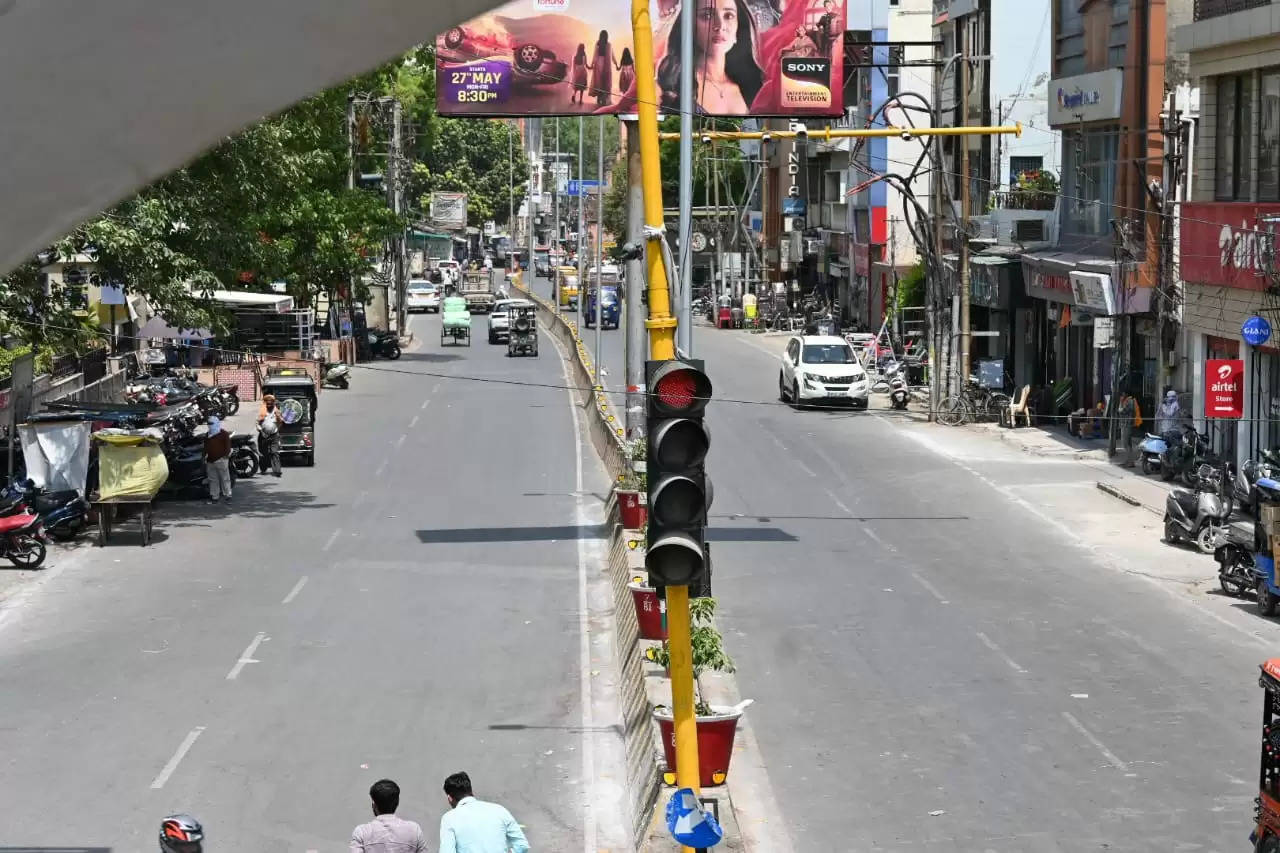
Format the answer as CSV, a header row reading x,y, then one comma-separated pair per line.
x,y
246,377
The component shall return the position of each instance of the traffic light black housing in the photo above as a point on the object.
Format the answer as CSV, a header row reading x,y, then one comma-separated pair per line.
x,y
679,491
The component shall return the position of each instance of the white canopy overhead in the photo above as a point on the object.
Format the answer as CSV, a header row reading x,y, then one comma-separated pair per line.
x,y
100,98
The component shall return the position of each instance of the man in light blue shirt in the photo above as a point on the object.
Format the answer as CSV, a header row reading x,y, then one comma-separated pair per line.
x,y
474,826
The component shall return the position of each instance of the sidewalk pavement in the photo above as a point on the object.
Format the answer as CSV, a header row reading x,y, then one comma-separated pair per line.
x,y
1127,484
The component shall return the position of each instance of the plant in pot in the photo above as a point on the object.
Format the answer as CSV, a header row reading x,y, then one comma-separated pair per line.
x,y
716,725
631,499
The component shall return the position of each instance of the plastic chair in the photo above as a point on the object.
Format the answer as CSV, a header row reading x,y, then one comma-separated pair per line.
x,y
1020,405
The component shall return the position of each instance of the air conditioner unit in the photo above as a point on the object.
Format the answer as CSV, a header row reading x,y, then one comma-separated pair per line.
x,y
793,223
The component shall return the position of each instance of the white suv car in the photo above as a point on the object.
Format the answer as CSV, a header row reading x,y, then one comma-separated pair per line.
x,y
500,319
822,369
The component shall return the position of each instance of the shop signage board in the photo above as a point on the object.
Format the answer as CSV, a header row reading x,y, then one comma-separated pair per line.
x,y
1093,290
1224,388
1256,331
1085,97
1225,243
1042,284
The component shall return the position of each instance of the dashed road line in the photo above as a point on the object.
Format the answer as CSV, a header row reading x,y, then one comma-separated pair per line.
x,y
176,759
246,657
333,537
987,641
933,590
400,441
382,466
297,588
1111,757
426,402
413,423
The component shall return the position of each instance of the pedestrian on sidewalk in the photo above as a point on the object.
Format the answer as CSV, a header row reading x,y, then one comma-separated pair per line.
x,y
1130,418
387,833
475,826
217,461
269,423
1169,413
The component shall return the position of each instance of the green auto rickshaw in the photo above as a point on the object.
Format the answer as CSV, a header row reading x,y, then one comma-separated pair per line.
x,y
295,393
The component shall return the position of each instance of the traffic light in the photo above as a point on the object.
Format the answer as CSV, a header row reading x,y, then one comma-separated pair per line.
x,y
679,491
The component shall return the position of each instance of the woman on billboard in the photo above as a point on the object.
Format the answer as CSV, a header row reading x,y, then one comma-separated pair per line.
x,y
726,73
602,66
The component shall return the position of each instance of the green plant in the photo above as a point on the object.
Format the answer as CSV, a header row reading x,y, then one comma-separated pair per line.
x,y
638,449
633,481
708,646
1034,190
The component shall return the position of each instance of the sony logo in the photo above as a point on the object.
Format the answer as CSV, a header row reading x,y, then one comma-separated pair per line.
x,y
807,66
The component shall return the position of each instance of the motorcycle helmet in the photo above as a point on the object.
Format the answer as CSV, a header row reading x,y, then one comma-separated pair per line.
x,y
181,833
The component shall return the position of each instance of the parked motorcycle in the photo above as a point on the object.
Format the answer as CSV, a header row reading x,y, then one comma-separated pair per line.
x,y
1196,514
384,344
899,394
1184,457
1233,551
22,539
230,397
245,458
337,375
62,513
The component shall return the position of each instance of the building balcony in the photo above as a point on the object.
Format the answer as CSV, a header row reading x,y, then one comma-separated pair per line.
x,y
1021,219
1206,9
1218,23
1019,200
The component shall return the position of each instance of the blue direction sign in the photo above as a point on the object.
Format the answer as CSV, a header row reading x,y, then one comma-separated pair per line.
x,y
576,187
1256,331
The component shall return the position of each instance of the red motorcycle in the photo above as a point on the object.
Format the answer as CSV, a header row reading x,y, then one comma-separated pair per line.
x,y
22,539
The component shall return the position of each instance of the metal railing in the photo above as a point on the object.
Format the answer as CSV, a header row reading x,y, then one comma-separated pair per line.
x,y
1024,200
1205,9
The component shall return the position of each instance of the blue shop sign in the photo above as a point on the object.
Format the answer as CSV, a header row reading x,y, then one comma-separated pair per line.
x,y
1256,331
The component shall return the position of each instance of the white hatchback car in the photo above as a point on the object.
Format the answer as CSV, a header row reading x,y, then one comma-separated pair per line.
x,y
822,369
422,295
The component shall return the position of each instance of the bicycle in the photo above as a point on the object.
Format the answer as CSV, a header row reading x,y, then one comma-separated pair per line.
x,y
973,403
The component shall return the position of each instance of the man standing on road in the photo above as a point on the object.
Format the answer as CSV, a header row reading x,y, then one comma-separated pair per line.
x,y
269,424
217,461
387,833
474,826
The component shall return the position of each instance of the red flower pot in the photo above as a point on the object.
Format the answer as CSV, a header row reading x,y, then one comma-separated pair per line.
x,y
632,509
650,612
715,743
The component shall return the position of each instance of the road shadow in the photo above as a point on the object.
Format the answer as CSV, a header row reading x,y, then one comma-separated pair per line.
x,y
256,497
561,532
430,357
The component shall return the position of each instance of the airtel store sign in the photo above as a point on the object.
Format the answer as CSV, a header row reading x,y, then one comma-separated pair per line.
x,y
1224,388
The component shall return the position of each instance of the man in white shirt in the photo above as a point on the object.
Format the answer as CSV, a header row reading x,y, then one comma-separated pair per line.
x,y
474,826
387,833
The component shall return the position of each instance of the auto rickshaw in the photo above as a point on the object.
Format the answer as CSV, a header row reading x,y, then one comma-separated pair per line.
x,y
567,287
1266,834
295,393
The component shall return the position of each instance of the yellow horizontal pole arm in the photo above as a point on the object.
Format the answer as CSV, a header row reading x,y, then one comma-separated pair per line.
x,y
827,133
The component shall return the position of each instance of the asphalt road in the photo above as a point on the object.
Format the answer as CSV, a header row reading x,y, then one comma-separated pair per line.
x,y
409,607
956,646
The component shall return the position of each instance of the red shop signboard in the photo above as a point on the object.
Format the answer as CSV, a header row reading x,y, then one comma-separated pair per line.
x,y
1225,243
1224,388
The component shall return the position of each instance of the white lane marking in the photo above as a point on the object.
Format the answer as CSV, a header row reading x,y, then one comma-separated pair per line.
x,y
246,657
297,588
875,537
413,423
987,641
333,537
435,388
183,749
933,590
589,832
805,468
400,441
382,466
836,498
425,403
1111,757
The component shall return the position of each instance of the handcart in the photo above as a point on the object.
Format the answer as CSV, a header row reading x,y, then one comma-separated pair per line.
x,y
131,470
455,321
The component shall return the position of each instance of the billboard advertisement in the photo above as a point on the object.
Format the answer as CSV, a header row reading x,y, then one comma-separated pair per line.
x,y
573,57
449,210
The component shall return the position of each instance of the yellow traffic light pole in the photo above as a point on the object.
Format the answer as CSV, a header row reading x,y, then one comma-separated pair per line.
x,y
662,347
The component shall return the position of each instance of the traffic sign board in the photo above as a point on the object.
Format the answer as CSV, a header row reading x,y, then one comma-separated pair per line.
x,y
576,187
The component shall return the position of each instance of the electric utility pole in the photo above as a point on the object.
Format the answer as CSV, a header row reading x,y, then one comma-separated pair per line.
x,y
582,282
684,302
964,207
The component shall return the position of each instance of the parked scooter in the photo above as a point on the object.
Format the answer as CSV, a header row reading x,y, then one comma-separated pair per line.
x,y
384,344
1195,515
337,375
1243,488
899,394
1153,449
